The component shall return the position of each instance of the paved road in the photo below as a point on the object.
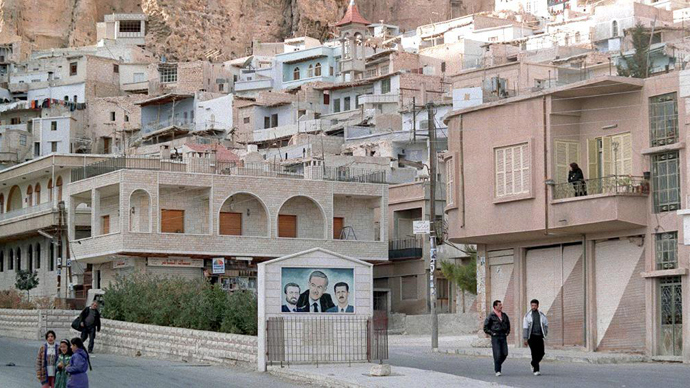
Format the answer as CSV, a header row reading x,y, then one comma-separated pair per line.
x,y
117,371
517,373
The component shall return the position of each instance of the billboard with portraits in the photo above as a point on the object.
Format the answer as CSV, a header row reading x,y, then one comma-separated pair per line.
x,y
317,290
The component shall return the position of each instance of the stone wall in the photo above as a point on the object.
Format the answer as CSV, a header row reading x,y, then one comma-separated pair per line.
x,y
133,339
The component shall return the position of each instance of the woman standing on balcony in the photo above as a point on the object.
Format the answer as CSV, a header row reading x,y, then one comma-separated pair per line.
x,y
577,179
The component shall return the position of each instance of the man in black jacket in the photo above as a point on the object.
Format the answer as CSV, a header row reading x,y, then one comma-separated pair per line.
x,y
497,325
90,319
315,299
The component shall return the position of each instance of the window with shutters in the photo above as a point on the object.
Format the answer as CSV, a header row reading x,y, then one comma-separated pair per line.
x,y
386,86
172,221
450,182
666,182
287,226
566,152
663,119
105,224
230,224
609,156
512,170
338,224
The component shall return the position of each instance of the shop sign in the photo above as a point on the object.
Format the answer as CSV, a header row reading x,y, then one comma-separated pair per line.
x,y
218,265
122,262
175,262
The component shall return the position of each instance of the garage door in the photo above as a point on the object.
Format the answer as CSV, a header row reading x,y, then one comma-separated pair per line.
x,y
620,294
185,273
502,279
555,278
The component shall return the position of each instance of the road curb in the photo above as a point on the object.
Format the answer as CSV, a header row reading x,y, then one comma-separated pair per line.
x,y
594,358
310,378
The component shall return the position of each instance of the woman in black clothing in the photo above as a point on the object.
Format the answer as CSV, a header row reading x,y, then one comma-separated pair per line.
x,y
577,179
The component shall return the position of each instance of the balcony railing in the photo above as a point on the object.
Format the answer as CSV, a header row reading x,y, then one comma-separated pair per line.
x,y
209,166
379,99
610,185
269,134
27,210
157,125
409,248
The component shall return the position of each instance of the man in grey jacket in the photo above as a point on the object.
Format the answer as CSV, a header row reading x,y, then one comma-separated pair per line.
x,y
535,328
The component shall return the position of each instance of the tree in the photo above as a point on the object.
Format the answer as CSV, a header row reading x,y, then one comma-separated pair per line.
x,y
637,65
464,276
26,281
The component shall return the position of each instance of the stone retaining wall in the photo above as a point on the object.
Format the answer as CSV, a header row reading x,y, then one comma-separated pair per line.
x,y
134,339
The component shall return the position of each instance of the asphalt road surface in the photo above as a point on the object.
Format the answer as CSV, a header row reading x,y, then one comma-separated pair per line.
x,y
118,371
517,373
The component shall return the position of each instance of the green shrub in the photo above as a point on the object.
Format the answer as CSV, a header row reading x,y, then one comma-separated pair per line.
x,y
192,304
241,315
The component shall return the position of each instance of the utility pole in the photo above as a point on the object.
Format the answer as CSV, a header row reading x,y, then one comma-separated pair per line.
x,y
58,244
432,217
414,120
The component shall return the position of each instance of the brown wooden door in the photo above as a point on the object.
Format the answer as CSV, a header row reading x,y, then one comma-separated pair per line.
x,y
106,145
338,223
287,226
105,224
231,224
172,221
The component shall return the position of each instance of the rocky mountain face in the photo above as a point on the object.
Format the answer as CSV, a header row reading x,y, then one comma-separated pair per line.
x,y
195,29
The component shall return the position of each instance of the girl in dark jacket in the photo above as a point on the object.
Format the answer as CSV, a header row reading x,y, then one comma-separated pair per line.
x,y
62,363
577,179
78,365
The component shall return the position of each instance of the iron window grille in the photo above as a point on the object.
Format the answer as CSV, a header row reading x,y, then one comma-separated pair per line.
x,y
666,250
666,182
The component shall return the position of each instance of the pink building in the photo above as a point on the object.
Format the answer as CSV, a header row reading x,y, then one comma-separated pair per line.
x,y
606,259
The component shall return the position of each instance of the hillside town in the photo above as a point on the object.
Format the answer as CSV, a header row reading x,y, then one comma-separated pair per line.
x,y
543,143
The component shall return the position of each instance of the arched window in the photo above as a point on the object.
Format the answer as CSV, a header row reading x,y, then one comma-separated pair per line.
x,y
19,259
51,256
10,260
14,199
614,28
577,37
295,74
2,261
310,71
29,196
30,259
38,255
2,203
50,190
58,184
37,193
317,70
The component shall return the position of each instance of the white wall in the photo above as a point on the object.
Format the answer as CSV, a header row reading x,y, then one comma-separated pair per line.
x,y
59,92
216,112
46,136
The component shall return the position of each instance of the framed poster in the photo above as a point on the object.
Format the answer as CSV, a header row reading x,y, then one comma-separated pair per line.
x,y
318,290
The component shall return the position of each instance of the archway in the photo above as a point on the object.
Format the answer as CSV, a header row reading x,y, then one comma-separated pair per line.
x,y
14,199
301,217
140,212
243,214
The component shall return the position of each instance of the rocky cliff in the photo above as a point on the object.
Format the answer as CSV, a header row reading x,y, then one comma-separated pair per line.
x,y
223,29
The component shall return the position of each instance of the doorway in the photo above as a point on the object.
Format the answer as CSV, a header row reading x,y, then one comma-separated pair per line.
x,y
671,316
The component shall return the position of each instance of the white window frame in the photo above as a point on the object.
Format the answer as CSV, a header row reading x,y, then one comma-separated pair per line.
x,y
504,180
450,182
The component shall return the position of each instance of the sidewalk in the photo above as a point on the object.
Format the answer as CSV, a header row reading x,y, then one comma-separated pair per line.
x,y
357,375
462,345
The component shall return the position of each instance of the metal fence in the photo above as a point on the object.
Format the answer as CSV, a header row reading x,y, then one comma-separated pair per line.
x,y
326,339
209,166
610,185
407,248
